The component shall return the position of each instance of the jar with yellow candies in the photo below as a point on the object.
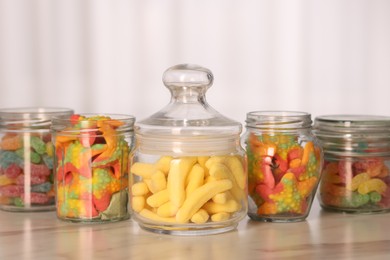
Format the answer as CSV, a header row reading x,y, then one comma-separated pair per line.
x,y
91,163
356,175
26,158
188,172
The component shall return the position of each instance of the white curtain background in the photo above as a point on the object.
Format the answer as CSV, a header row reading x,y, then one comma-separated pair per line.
x,y
322,57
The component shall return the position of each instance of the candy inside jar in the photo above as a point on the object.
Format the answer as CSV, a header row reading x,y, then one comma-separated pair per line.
x,y
26,158
91,153
284,165
188,171
356,175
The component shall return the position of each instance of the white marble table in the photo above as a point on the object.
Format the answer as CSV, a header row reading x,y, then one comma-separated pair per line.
x,y
323,235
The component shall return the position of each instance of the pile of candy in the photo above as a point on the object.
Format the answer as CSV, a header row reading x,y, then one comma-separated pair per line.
x,y
92,170
362,185
282,174
26,163
189,189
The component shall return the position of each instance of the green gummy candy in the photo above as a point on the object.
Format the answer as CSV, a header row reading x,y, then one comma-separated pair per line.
x,y
34,157
38,145
48,161
356,200
360,199
7,158
18,202
41,188
375,197
117,207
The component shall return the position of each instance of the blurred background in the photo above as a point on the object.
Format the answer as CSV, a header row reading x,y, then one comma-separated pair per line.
x,y
322,57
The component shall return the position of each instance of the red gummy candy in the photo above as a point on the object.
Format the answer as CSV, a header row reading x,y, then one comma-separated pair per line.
x,y
264,191
39,170
11,190
36,198
74,119
295,153
102,203
64,169
33,179
90,210
373,167
298,171
345,170
87,139
12,171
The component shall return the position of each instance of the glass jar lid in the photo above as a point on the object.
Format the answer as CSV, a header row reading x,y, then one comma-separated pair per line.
x,y
188,118
30,117
354,135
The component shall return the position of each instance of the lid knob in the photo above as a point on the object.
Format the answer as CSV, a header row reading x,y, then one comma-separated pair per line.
x,y
188,75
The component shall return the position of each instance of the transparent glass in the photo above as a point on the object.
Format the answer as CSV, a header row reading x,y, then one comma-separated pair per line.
x,y
92,163
284,165
357,159
188,171
26,158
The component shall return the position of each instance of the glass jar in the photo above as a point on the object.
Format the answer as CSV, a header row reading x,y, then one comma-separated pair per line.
x,y
284,165
92,163
188,171
357,162
26,158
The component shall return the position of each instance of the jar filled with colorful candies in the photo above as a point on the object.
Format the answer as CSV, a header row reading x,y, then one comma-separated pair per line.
x,y
188,172
26,158
357,161
91,163
284,165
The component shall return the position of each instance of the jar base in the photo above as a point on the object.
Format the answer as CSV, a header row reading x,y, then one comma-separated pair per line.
x,y
367,211
279,219
190,231
92,220
12,208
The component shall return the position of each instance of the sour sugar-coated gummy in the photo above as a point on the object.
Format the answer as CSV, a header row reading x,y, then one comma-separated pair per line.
x,y
92,170
24,157
356,185
283,175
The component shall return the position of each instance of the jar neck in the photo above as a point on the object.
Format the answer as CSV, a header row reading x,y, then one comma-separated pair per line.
x,y
188,146
283,121
190,95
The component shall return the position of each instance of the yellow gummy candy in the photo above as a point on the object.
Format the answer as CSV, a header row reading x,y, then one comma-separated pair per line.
x,y
138,203
139,189
158,199
4,180
200,217
357,180
372,185
222,216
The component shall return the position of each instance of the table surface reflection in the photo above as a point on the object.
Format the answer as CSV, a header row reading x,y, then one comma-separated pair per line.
x,y
324,235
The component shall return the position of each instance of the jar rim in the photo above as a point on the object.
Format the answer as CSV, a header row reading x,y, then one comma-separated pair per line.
x,y
351,123
75,126
29,118
35,110
279,119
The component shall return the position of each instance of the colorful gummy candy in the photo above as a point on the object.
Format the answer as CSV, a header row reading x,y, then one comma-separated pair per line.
x,y
282,176
26,176
92,170
356,185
